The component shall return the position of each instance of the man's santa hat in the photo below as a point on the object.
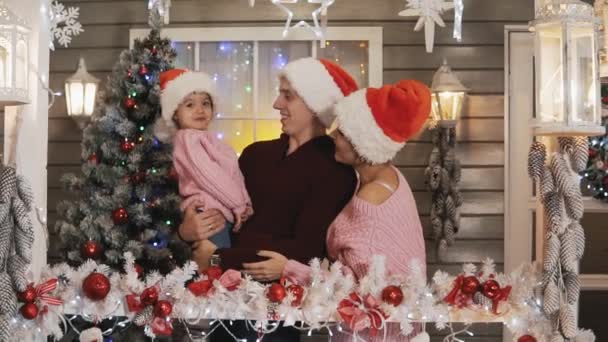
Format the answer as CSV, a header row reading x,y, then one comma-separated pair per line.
x,y
175,85
378,121
320,83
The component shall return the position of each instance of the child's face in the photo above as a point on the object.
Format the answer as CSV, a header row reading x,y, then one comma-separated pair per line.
x,y
195,111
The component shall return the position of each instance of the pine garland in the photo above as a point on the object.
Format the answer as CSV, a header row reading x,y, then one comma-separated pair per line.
x,y
443,175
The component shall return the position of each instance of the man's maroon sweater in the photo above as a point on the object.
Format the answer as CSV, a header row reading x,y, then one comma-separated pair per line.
x,y
295,198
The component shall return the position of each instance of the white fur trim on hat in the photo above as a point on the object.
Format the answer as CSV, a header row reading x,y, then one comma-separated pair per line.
x,y
356,121
173,95
314,85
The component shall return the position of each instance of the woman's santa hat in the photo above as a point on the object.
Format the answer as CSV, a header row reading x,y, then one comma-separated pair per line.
x,y
378,121
175,85
320,83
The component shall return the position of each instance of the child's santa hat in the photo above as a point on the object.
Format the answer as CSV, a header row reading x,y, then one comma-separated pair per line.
x,y
320,83
378,121
175,85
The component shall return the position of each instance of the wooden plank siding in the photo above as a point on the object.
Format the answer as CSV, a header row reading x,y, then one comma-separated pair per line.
x,y
478,60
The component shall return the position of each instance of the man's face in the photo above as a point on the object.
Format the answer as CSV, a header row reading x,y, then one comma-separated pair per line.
x,y
296,117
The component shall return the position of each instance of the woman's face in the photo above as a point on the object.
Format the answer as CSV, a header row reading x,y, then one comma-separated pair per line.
x,y
345,152
195,111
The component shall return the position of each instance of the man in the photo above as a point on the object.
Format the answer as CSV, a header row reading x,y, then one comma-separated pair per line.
x,y
296,186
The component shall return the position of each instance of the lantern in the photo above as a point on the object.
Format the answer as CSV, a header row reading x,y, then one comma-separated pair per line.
x,y
566,69
80,92
14,54
447,96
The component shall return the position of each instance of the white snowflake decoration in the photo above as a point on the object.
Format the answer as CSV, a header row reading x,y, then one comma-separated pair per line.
x,y
429,13
63,24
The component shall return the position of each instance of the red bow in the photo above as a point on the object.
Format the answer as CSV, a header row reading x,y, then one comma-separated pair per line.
x,y
231,279
134,303
162,326
46,287
503,294
360,313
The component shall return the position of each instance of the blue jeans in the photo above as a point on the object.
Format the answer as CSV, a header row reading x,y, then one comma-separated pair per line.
x,y
222,238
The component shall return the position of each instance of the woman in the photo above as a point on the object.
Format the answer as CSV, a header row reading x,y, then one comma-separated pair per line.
x,y
372,125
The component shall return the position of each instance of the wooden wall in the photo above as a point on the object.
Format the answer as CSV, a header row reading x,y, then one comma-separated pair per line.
x,y
478,60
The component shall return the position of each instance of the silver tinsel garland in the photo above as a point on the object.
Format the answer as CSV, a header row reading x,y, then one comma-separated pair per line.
x,y
562,200
443,177
16,240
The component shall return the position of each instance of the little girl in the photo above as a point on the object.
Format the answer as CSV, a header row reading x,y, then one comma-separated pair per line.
x,y
207,168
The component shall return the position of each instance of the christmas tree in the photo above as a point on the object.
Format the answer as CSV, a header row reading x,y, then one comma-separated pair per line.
x,y
128,192
595,176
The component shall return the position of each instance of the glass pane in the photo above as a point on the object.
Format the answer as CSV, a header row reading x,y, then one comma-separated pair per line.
x,y
592,314
351,55
231,66
596,254
237,133
582,73
185,54
551,78
272,58
267,129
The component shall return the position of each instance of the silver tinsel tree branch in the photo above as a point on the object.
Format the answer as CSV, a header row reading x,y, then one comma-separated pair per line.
x,y
16,240
443,177
563,205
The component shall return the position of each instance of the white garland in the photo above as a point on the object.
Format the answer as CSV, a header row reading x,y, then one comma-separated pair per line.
x,y
319,308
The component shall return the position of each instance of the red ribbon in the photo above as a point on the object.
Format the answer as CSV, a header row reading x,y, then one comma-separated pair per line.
x,y
134,303
162,326
453,295
231,279
503,294
360,313
43,289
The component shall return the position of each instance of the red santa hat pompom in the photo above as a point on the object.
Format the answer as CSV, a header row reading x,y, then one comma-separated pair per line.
x,y
320,83
379,121
175,85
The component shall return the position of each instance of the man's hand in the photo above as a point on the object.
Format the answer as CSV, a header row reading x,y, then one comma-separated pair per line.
x,y
268,270
202,252
200,225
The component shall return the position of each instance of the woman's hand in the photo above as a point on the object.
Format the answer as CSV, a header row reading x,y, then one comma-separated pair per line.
x,y
241,219
268,270
202,252
200,226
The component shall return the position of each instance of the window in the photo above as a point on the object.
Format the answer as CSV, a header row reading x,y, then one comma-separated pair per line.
x,y
245,62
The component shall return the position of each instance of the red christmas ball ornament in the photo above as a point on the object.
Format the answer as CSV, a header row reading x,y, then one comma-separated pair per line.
x,y
139,270
276,293
29,311
392,295
96,286
93,159
201,287
526,338
127,146
91,250
138,178
213,272
163,309
470,285
143,70
120,216
298,294
149,296
130,103
154,50
491,288
173,174
27,296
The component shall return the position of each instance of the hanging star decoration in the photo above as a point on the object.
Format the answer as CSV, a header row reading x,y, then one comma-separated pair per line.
x,y
429,13
319,27
159,9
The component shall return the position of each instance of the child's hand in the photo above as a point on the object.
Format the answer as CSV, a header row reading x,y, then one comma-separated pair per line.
x,y
240,219
238,223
